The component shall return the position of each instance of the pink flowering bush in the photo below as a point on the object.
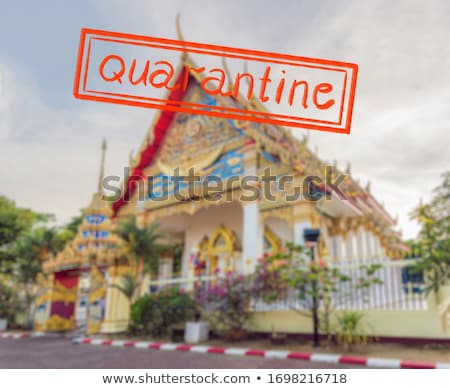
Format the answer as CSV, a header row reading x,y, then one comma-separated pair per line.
x,y
269,282
225,302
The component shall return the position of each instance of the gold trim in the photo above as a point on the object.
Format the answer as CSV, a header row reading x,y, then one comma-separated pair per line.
x,y
274,240
58,323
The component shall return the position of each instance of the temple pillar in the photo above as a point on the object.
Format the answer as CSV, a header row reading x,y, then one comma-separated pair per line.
x,y
341,248
366,244
349,243
252,235
361,252
252,228
116,306
369,246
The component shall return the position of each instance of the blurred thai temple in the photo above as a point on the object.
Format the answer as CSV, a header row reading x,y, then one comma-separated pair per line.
x,y
226,230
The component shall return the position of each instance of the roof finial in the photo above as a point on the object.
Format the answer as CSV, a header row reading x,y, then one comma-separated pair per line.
x,y
227,72
180,36
102,168
252,97
305,139
368,187
348,169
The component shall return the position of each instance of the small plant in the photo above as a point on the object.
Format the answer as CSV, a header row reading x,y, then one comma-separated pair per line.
x,y
350,330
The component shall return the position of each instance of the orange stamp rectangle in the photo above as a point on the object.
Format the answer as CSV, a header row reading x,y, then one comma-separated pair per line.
x,y
136,70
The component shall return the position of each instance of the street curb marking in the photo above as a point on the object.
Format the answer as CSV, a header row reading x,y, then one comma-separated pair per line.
x,y
279,354
21,335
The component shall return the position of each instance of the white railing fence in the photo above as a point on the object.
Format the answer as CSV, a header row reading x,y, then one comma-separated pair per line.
x,y
401,289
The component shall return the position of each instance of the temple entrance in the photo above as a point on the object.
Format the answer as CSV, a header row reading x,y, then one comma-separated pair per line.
x,y
219,254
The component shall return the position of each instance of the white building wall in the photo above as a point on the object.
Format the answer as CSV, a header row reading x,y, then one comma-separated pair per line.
x,y
280,228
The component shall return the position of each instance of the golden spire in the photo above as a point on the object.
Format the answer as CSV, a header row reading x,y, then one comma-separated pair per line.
x,y
180,37
102,168
348,169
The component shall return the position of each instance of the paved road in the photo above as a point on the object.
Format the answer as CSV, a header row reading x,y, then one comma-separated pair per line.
x,y
61,353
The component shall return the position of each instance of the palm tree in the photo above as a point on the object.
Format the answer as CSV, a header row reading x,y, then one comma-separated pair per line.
x,y
142,244
128,286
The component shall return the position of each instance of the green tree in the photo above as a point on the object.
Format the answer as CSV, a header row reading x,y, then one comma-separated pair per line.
x,y
73,224
143,245
316,283
434,236
29,251
13,220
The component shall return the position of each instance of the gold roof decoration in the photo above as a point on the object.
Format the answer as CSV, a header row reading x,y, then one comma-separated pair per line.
x,y
98,206
95,242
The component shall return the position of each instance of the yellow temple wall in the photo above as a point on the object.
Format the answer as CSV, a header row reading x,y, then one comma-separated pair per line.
x,y
379,323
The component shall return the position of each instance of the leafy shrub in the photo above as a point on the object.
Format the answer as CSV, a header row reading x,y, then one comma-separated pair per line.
x,y
225,302
156,314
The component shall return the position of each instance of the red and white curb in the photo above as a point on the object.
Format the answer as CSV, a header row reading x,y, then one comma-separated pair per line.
x,y
281,354
20,335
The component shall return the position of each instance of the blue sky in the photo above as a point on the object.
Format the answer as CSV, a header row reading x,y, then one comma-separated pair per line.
x,y
49,142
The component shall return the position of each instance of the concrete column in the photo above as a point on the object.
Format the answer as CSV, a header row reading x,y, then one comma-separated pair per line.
x,y
252,235
360,244
366,244
350,249
371,245
332,248
341,252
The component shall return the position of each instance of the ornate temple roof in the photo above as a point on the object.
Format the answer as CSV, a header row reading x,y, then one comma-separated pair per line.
x,y
350,198
94,242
